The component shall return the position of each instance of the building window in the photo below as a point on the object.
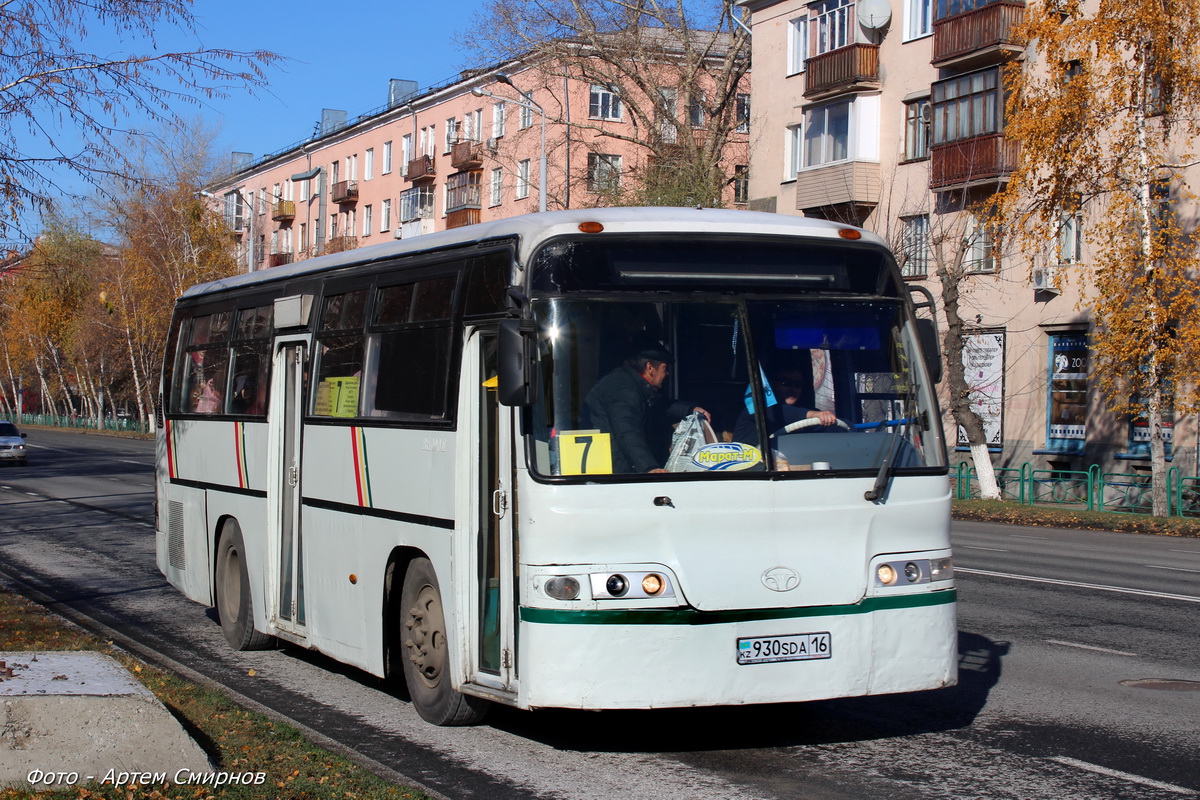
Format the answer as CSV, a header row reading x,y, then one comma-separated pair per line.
x,y
525,117
369,164
832,25
696,114
916,129
234,210
387,159
797,46
416,203
522,179
368,220
792,151
450,134
604,103
499,121
949,8
741,184
915,245
1066,423
352,167
668,130
967,106
496,196
385,216
604,173
1070,237
918,18
743,112
827,134
979,243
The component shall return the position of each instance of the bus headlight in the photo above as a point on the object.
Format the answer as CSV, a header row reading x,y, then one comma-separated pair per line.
x,y
941,569
630,585
912,572
652,584
885,574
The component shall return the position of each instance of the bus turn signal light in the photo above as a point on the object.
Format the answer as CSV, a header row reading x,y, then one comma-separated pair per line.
x,y
652,584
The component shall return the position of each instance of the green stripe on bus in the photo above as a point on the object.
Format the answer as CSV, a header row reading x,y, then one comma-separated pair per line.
x,y
690,616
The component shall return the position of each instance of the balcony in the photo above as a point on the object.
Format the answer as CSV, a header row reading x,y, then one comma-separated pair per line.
x,y
279,259
416,203
972,162
466,155
344,192
849,184
846,69
421,170
284,211
978,37
340,244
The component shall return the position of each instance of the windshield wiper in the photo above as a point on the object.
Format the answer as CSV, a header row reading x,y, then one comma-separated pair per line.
x,y
876,492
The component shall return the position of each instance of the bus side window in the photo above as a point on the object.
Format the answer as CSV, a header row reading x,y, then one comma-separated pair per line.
x,y
206,365
409,359
251,366
340,355
487,284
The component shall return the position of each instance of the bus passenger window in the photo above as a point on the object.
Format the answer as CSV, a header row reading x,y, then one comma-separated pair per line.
x,y
340,355
206,366
251,366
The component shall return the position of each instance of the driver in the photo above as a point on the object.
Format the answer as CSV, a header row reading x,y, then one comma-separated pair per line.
x,y
787,383
628,404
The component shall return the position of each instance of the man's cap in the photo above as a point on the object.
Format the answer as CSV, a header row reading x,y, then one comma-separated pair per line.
x,y
655,352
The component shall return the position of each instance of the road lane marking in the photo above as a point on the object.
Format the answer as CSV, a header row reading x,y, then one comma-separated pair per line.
x,y
1191,552
1173,569
1090,647
1023,536
977,547
1125,776
1055,581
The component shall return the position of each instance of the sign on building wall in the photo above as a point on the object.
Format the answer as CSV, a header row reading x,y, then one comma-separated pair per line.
x,y
1068,386
983,365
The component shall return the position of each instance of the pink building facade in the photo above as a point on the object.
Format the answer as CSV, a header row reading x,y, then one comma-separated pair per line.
x,y
454,155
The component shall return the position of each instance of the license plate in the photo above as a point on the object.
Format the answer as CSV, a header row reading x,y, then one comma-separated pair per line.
x,y
794,647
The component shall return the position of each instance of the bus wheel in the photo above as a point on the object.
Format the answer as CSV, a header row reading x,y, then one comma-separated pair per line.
x,y
426,656
233,593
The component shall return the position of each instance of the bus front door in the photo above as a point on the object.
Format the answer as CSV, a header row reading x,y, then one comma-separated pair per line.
x,y
493,541
287,552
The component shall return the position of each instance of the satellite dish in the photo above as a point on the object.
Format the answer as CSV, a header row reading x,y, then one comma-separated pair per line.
x,y
874,14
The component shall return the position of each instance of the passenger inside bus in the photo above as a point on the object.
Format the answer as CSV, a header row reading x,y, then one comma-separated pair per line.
x,y
628,404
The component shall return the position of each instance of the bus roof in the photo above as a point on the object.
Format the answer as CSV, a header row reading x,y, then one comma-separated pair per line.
x,y
531,229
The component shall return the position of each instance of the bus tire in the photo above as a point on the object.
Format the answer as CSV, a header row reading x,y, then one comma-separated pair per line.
x,y
234,606
426,657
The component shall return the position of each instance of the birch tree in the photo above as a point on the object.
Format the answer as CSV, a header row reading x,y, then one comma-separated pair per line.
x,y
65,106
1104,108
677,68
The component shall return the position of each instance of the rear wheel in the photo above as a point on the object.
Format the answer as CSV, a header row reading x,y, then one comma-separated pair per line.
x,y
234,607
427,667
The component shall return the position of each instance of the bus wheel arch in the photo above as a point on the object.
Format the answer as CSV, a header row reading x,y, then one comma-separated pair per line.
x,y
418,641
231,590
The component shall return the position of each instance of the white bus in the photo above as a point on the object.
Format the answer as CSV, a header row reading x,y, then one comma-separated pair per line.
x,y
399,456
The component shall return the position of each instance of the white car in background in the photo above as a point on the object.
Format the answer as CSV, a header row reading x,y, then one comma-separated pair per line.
x,y
12,444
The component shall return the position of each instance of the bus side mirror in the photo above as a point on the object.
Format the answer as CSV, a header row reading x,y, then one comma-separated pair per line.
x,y
927,332
517,346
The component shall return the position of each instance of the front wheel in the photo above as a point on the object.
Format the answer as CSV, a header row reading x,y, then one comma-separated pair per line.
x,y
426,654
234,607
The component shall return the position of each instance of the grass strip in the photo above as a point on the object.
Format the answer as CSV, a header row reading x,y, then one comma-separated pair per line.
x,y
236,740
1014,513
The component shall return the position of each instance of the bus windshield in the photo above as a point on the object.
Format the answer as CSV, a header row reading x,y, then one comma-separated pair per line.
x,y
639,386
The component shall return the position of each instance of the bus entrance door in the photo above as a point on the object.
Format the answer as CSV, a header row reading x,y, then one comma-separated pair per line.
x,y
491,561
287,551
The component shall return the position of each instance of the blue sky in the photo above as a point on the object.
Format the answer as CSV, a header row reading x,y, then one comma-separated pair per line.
x,y
340,56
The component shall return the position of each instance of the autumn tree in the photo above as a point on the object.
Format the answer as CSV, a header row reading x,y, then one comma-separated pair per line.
x,y
168,237
1104,109
676,68
65,105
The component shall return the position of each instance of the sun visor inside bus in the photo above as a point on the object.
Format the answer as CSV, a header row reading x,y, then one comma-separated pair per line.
x,y
292,312
645,262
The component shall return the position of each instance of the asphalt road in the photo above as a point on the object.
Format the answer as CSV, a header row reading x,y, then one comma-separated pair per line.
x,y
1078,678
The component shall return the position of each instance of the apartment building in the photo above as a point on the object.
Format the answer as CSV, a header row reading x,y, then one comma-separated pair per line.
x,y
468,151
890,114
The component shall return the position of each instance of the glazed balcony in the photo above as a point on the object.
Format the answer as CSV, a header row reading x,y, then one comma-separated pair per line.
x,y
421,170
972,162
978,37
416,203
284,211
466,155
846,69
344,192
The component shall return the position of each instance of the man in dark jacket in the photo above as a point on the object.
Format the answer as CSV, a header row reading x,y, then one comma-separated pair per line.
x,y
627,404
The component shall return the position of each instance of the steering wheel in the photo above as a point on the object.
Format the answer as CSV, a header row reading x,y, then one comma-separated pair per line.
x,y
808,422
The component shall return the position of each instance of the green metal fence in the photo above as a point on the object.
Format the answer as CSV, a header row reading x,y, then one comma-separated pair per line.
x,y
123,424
1094,489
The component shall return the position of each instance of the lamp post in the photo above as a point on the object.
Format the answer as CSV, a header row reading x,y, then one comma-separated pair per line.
x,y
533,105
